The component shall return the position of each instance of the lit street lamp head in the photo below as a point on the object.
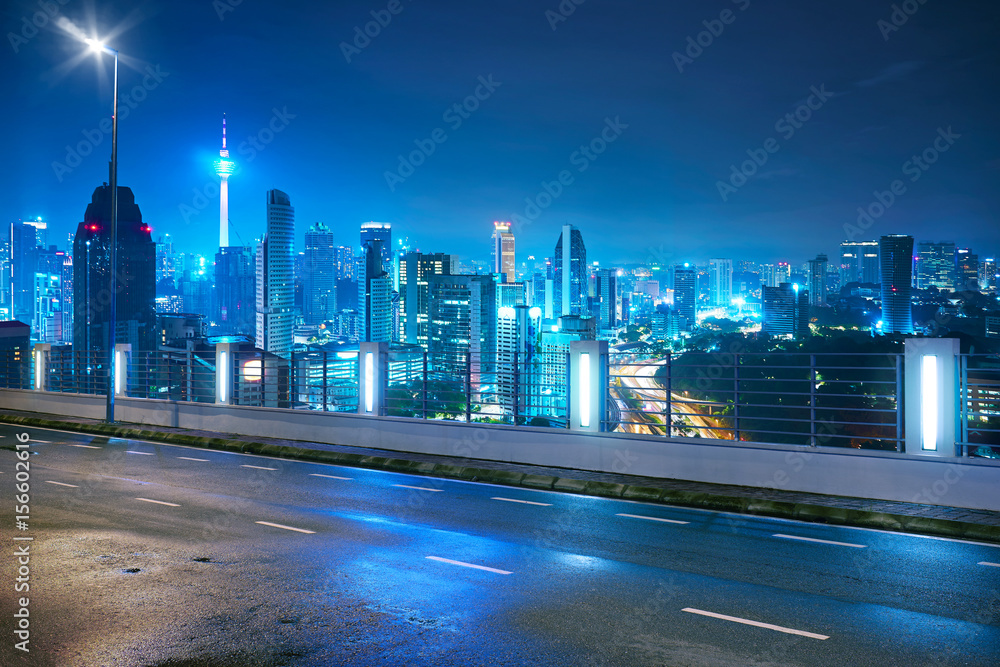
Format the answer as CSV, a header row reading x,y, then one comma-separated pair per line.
x,y
98,46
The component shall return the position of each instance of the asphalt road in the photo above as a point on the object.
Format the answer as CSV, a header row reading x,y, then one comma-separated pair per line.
x,y
246,560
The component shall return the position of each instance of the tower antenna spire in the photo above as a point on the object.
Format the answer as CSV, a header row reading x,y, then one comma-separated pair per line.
x,y
224,167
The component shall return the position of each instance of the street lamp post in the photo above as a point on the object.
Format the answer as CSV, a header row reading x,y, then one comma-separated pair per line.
x,y
99,48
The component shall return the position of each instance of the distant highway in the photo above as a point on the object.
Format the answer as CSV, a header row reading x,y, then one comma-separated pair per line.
x,y
639,378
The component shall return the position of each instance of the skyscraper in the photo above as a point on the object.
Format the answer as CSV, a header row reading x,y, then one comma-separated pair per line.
x,y
966,270
570,274
375,295
224,167
380,231
817,280
936,265
414,269
135,278
502,251
686,293
720,276
786,311
462,323
275,289
24,244
768,275
988,274
896,255
858,262
783,273
319,280
235,289
607,294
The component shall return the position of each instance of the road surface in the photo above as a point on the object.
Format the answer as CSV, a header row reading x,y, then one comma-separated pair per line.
x,y
149,554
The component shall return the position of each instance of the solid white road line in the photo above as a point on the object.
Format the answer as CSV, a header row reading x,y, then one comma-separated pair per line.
x,y
812,539
418,488
131,451
523,502
316,474
652,518
158,502
990,564
188,458
72,486
458,562
85,446
757,624
278,525
257,467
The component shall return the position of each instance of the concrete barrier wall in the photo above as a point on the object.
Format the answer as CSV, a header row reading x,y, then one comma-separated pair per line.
x,y
955,482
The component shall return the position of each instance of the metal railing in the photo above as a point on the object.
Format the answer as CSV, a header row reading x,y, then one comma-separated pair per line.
x,y
514,388
838,400
835,400
979,403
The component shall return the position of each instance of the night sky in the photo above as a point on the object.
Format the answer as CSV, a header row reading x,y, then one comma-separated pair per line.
x,y
556,83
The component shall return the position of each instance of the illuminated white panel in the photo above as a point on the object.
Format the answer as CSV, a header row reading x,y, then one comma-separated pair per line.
x,y
38,369
585,390
119,361
930,401
223,377
369,382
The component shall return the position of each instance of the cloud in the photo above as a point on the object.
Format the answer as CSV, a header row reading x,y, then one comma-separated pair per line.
x,y
892,73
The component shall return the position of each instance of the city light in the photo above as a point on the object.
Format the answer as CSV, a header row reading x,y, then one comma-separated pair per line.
x,y
929,402
252,370
223,375
369,382
585,390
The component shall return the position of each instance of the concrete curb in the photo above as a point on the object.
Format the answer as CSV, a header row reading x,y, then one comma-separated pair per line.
x,y
716,502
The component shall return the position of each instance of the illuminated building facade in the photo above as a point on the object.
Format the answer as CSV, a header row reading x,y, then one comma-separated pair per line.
x,y
135,282
275,288
502,251
896,257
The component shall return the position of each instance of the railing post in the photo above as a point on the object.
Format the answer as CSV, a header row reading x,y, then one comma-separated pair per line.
x,y
900,442
326,355
423,393
224,363
468,387
588,385
373,360
517,393
736,397
931,388
41,357
123,357
963,397
812,400
670,395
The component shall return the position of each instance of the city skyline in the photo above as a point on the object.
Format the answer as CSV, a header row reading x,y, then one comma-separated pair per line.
x,y
651,183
